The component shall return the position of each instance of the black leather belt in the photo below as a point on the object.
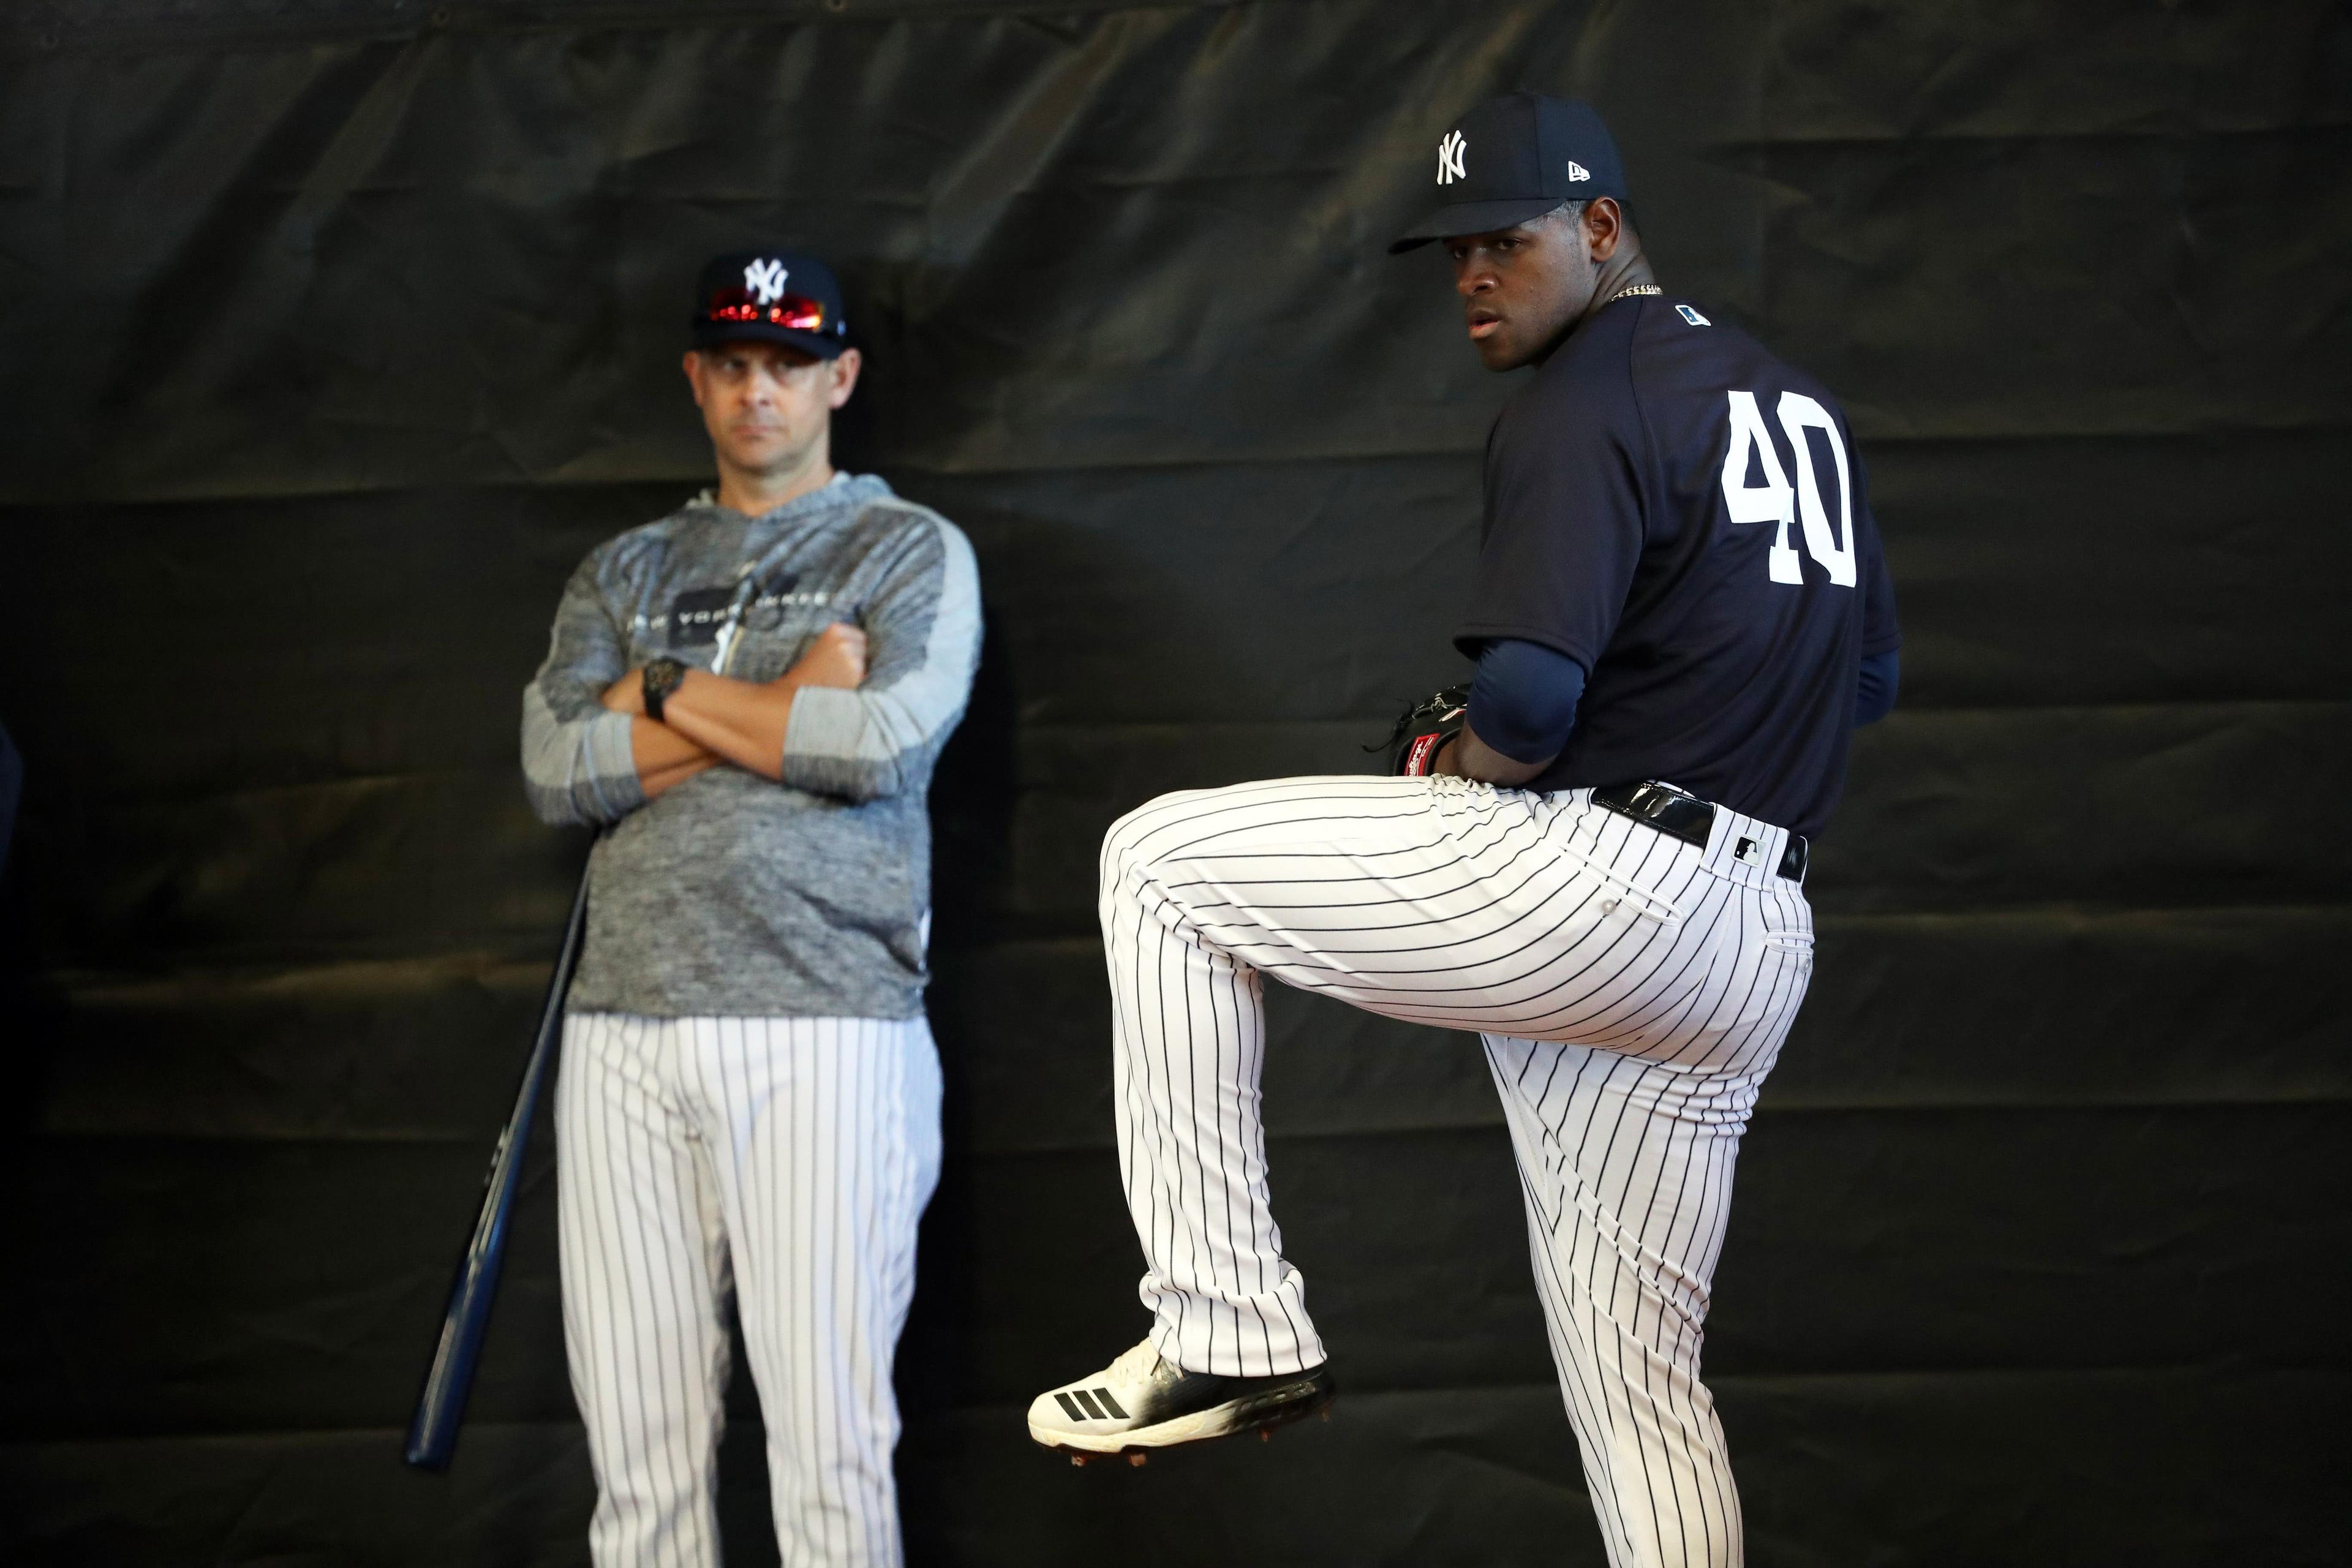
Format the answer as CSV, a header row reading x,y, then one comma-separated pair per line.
x,y
1683,816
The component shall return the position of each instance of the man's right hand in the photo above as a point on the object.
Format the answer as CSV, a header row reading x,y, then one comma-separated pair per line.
x,y
838,658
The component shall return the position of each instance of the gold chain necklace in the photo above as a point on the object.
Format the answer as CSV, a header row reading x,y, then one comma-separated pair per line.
x,y
1632,290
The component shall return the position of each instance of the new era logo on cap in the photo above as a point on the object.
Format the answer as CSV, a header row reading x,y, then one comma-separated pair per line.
x,y
1577,171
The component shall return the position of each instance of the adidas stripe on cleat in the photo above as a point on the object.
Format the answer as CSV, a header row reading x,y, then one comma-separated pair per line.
x,y
1140,1402
1084,1405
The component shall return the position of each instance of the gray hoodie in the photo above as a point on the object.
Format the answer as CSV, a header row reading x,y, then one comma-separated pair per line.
x,y
730,895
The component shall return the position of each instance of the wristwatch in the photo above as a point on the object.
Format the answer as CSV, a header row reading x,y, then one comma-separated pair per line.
x,y
663,676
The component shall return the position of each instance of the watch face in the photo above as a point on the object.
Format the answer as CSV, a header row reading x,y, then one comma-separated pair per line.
x,y
662,677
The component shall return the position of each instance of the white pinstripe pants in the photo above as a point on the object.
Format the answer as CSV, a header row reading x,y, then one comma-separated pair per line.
x,y
788,1159
1633,992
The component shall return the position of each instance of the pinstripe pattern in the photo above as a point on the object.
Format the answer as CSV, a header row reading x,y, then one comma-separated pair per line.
x,y
787,1160
1633,992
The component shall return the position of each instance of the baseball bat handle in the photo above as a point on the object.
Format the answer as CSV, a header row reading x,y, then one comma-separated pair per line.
x,y
432,1433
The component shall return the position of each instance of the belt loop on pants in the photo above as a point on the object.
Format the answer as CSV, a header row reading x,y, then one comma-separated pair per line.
x,y
1683,816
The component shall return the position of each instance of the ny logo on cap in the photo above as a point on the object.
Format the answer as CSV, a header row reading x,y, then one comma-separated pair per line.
x,y
1577,171
766,280
1449,158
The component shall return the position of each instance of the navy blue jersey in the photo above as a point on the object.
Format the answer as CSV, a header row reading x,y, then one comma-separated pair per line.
x,y
1684,516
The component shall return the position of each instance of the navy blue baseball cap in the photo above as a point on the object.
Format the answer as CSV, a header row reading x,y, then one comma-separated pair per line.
x,y
778,296
1514,158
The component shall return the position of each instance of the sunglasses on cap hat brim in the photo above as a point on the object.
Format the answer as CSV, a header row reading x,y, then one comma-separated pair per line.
x,y
793,312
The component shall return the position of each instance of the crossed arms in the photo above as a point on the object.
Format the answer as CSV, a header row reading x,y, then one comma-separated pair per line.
x,y
858,717
712,719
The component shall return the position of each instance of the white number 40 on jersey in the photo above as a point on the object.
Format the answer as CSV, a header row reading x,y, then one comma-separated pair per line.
x,y
1771,501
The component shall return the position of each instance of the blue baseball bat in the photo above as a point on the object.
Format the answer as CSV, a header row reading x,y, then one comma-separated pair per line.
x,y
433,1435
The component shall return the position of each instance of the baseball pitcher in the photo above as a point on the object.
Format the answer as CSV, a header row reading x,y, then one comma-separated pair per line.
x,y
1595,860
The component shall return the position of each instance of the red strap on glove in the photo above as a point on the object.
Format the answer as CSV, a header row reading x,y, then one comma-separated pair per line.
x,y
1424,729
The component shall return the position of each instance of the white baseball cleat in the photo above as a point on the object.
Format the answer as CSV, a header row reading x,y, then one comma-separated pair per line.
x,y
1140,1402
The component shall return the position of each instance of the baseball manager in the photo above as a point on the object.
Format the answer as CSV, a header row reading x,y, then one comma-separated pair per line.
x,y
752,692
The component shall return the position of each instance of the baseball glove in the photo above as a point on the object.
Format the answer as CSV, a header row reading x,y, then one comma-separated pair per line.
x,y
1424,728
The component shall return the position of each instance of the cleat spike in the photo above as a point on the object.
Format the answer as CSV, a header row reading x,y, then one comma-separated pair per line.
x,y
1080,1460
1265,1434
1136,1459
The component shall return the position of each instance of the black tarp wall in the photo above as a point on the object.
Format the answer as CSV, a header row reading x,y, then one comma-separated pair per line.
x,y
333,334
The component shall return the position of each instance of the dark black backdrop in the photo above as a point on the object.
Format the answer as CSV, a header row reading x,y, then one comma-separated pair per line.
x,y
334,332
